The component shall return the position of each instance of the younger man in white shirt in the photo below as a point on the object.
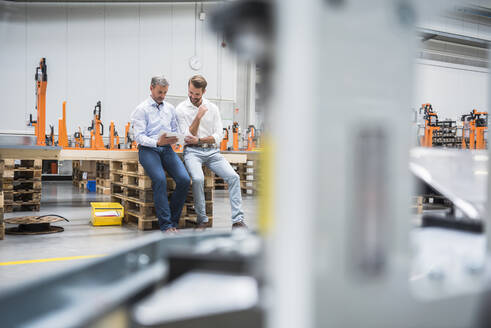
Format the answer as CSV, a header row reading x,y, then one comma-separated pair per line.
x,y
200,120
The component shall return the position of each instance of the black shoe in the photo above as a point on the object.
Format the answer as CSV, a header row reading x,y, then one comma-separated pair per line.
x,y
239,225
202,226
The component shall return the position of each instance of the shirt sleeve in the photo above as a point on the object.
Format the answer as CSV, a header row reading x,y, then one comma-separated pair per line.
x,y
139,125
181,119
174,122
218,127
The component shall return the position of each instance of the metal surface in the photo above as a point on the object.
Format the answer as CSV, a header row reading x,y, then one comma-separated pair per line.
x,y
347,77
461,176
81,295
454,38
22,142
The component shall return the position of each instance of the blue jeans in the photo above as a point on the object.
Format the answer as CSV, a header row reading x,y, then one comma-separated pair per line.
x,y
154,160
194,158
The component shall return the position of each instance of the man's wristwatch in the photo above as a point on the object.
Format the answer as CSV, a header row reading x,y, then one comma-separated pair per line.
x,y
199,141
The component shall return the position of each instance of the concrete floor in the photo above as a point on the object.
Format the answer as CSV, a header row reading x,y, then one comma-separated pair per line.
x,y
80,238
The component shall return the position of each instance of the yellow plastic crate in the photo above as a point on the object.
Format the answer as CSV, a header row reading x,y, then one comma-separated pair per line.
x,y
106,220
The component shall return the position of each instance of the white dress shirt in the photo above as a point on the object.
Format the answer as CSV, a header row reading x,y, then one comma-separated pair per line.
x,y
211,122
150,119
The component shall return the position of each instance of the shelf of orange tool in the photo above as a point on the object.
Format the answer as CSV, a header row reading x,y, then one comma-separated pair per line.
x,y
431,125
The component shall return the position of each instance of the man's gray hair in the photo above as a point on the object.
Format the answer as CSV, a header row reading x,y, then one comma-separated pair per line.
x,y
159,80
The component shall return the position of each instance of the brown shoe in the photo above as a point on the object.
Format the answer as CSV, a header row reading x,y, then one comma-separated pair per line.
x,y
239,225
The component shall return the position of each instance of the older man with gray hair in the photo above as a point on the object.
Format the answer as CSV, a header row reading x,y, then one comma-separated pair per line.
x,y
150,121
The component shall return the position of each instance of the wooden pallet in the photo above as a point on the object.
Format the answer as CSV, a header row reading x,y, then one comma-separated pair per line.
x,y
26,195
145,195
143,223
8,195
24,173
23,206
102,169
189,208
140,181
248,187
209,195
133,167
102,182
23,163
27,184
103,190
8,183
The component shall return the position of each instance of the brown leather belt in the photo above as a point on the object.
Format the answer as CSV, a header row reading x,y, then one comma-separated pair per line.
x,y
204,146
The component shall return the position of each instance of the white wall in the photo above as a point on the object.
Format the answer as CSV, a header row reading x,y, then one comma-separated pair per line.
x,y
105,52
453,90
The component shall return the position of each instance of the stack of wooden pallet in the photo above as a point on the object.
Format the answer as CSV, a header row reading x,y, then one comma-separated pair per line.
x,y
82,172
103,179
132,188
76,174
248,177
22,185
2,225
219,183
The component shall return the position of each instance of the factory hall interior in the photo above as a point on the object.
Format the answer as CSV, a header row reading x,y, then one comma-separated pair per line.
x,y
245,163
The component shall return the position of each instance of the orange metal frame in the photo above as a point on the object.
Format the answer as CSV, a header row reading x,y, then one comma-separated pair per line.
x,y
476,133
235,136
427,139
224,143
62,133
41,79
251,138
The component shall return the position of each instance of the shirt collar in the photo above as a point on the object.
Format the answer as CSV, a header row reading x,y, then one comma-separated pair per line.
x,y
153,103
204,101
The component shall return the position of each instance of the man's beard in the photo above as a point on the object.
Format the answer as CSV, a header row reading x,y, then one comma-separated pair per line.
x,y
195,102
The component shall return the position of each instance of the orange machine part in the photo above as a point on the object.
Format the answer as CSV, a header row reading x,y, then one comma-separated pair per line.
x,y
224,143
235,136
54,167
112,136
427,139
479,130
96,141
472,135
62,133
251,137
41,85
79,139
127,141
